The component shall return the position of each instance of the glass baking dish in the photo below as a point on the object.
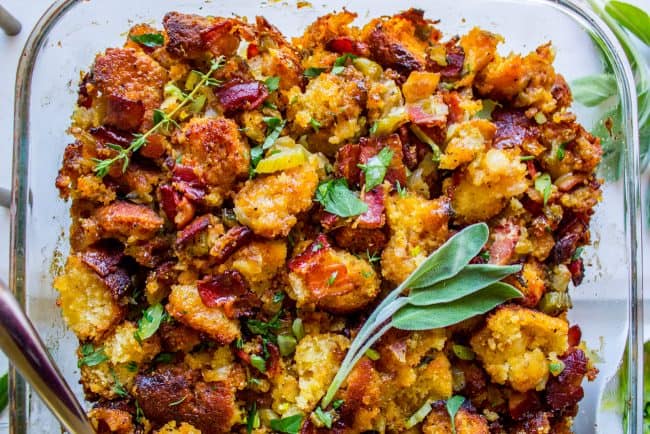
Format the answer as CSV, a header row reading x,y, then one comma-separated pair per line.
x,y
64,42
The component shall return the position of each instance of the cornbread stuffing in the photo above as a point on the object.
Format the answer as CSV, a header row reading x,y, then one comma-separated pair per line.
x,y
242,202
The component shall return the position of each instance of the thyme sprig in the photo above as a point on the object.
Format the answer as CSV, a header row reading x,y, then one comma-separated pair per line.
x,y
444,290
161,120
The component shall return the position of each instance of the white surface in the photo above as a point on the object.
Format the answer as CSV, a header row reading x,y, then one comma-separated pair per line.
x,y
10,47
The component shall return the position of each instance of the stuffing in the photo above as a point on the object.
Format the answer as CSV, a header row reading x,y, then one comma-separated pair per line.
x,y
331,279
480,48
86,302
127,221
269,204
490,181
113,420
106,380
333,103
465,141
196,37
186,306
217,366
259,262
465,421
417,227
317,359
523,81
174,428
516,344
217,152
122,347
129,86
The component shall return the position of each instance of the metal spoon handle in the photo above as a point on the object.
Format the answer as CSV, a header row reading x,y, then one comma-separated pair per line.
x,y
21,343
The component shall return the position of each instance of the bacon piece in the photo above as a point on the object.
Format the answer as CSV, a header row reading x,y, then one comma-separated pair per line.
x,y
229,291
455,60
514,129
230,242
123,113
344,44
523,405
420,117
192,36
575,335
169,200
252,50
128,220
577,269
565,247
110,135
219,38
346,165
242,96
375,217
565,390
174,393
198,225
104,259
392,54
505,238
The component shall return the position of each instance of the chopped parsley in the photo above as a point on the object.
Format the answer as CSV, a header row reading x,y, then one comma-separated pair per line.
x,y
315,124
332,278
289,424
325,417
272,83
258,362
151,40
338,199
313,72
376,167
543,185
339,63
150,322
91,356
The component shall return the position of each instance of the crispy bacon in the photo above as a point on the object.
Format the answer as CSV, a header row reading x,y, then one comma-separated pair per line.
x,y
110,135
455,60
513,128
565,247
456,112
198,225
330,221
252,50
242,96
169,200
505,238
229,291
230,242
523,405
104,259
375,217
123,113
577,269
575,335
565,390
346,165
344,44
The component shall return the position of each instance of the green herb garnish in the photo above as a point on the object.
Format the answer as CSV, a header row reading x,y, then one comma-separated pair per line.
x,y
338,199
274,128
91,356
429,304
289,424
315,124
339,63
150,322
372,354
463,352
163,358
419,415
313,72
526,157
376,167
258,363
560,152
453,405
124,154
272,83
332,278
543,185
337,403
175,403
324,417
252,419
118,388
265,329
151,40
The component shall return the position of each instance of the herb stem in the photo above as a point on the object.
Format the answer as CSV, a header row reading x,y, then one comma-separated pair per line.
x,y
102,166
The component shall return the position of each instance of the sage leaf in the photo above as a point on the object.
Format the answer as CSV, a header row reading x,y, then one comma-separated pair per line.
x,y
471,279
418,318
289,424
450,258
634,19
594,89
453,405
338,199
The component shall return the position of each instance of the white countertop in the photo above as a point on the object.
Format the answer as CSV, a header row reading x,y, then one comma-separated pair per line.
x,y
27,12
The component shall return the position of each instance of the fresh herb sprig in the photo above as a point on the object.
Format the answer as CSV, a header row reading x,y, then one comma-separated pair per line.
x,y
151,319
161,120
601,88
442,291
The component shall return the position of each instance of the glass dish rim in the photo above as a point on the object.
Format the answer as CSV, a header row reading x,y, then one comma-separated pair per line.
x,y
631,193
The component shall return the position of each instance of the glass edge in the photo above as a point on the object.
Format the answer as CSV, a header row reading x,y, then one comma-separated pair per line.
x,y
19,398
633,212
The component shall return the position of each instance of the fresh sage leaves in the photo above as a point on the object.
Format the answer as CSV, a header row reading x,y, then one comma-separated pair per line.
x,y
453,405
444,290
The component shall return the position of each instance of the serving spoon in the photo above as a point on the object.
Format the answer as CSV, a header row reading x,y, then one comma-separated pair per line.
x,y
23,346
